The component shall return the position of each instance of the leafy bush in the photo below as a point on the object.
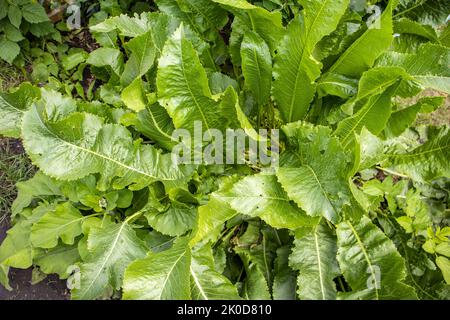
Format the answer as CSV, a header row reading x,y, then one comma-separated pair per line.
x,y
357,209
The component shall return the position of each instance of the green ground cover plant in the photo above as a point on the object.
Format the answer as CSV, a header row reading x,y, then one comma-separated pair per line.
x,y
356,209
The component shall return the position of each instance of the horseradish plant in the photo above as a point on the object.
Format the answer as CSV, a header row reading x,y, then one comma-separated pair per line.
x,y
357,207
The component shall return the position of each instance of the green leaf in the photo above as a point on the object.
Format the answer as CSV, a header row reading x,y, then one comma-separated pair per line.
x,y
337,85
402,119
375,112
112,248
363,52
133,96
408,26
314,256
255,286
314,171
211,13
175,221
12,33
12,107
15,250
143,53
428,161
10,50
206,282
126,25
370,262
57,260
15,15
284,280
4,280
34,13
428,67
262,196
73,60
443,248
215,213
160,276
257,67
156,124
81,144
268,25
444,264
107,57
64,222
190,99
295,69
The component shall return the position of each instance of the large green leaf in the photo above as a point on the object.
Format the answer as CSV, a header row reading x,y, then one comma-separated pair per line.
x,y
262,196
183,86
10,50
160,276
64,222
257,67
428,67
81,144
314,256
112,248
155,123
314,171
295,70
12,107
206,282
402,119
428,161
215,213
211,12
370,263
362,54
373,115
142,57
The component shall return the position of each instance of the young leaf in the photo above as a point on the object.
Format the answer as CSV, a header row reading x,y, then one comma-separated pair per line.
x,y
257,67
362,54
156,124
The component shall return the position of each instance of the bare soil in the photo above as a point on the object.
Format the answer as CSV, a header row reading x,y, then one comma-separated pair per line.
x,y
51,288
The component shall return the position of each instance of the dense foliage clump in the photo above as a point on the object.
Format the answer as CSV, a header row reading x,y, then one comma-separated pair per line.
x,y
356,209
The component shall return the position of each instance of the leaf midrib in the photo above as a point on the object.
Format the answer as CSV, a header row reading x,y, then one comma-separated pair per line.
x,y
101,155
366,256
